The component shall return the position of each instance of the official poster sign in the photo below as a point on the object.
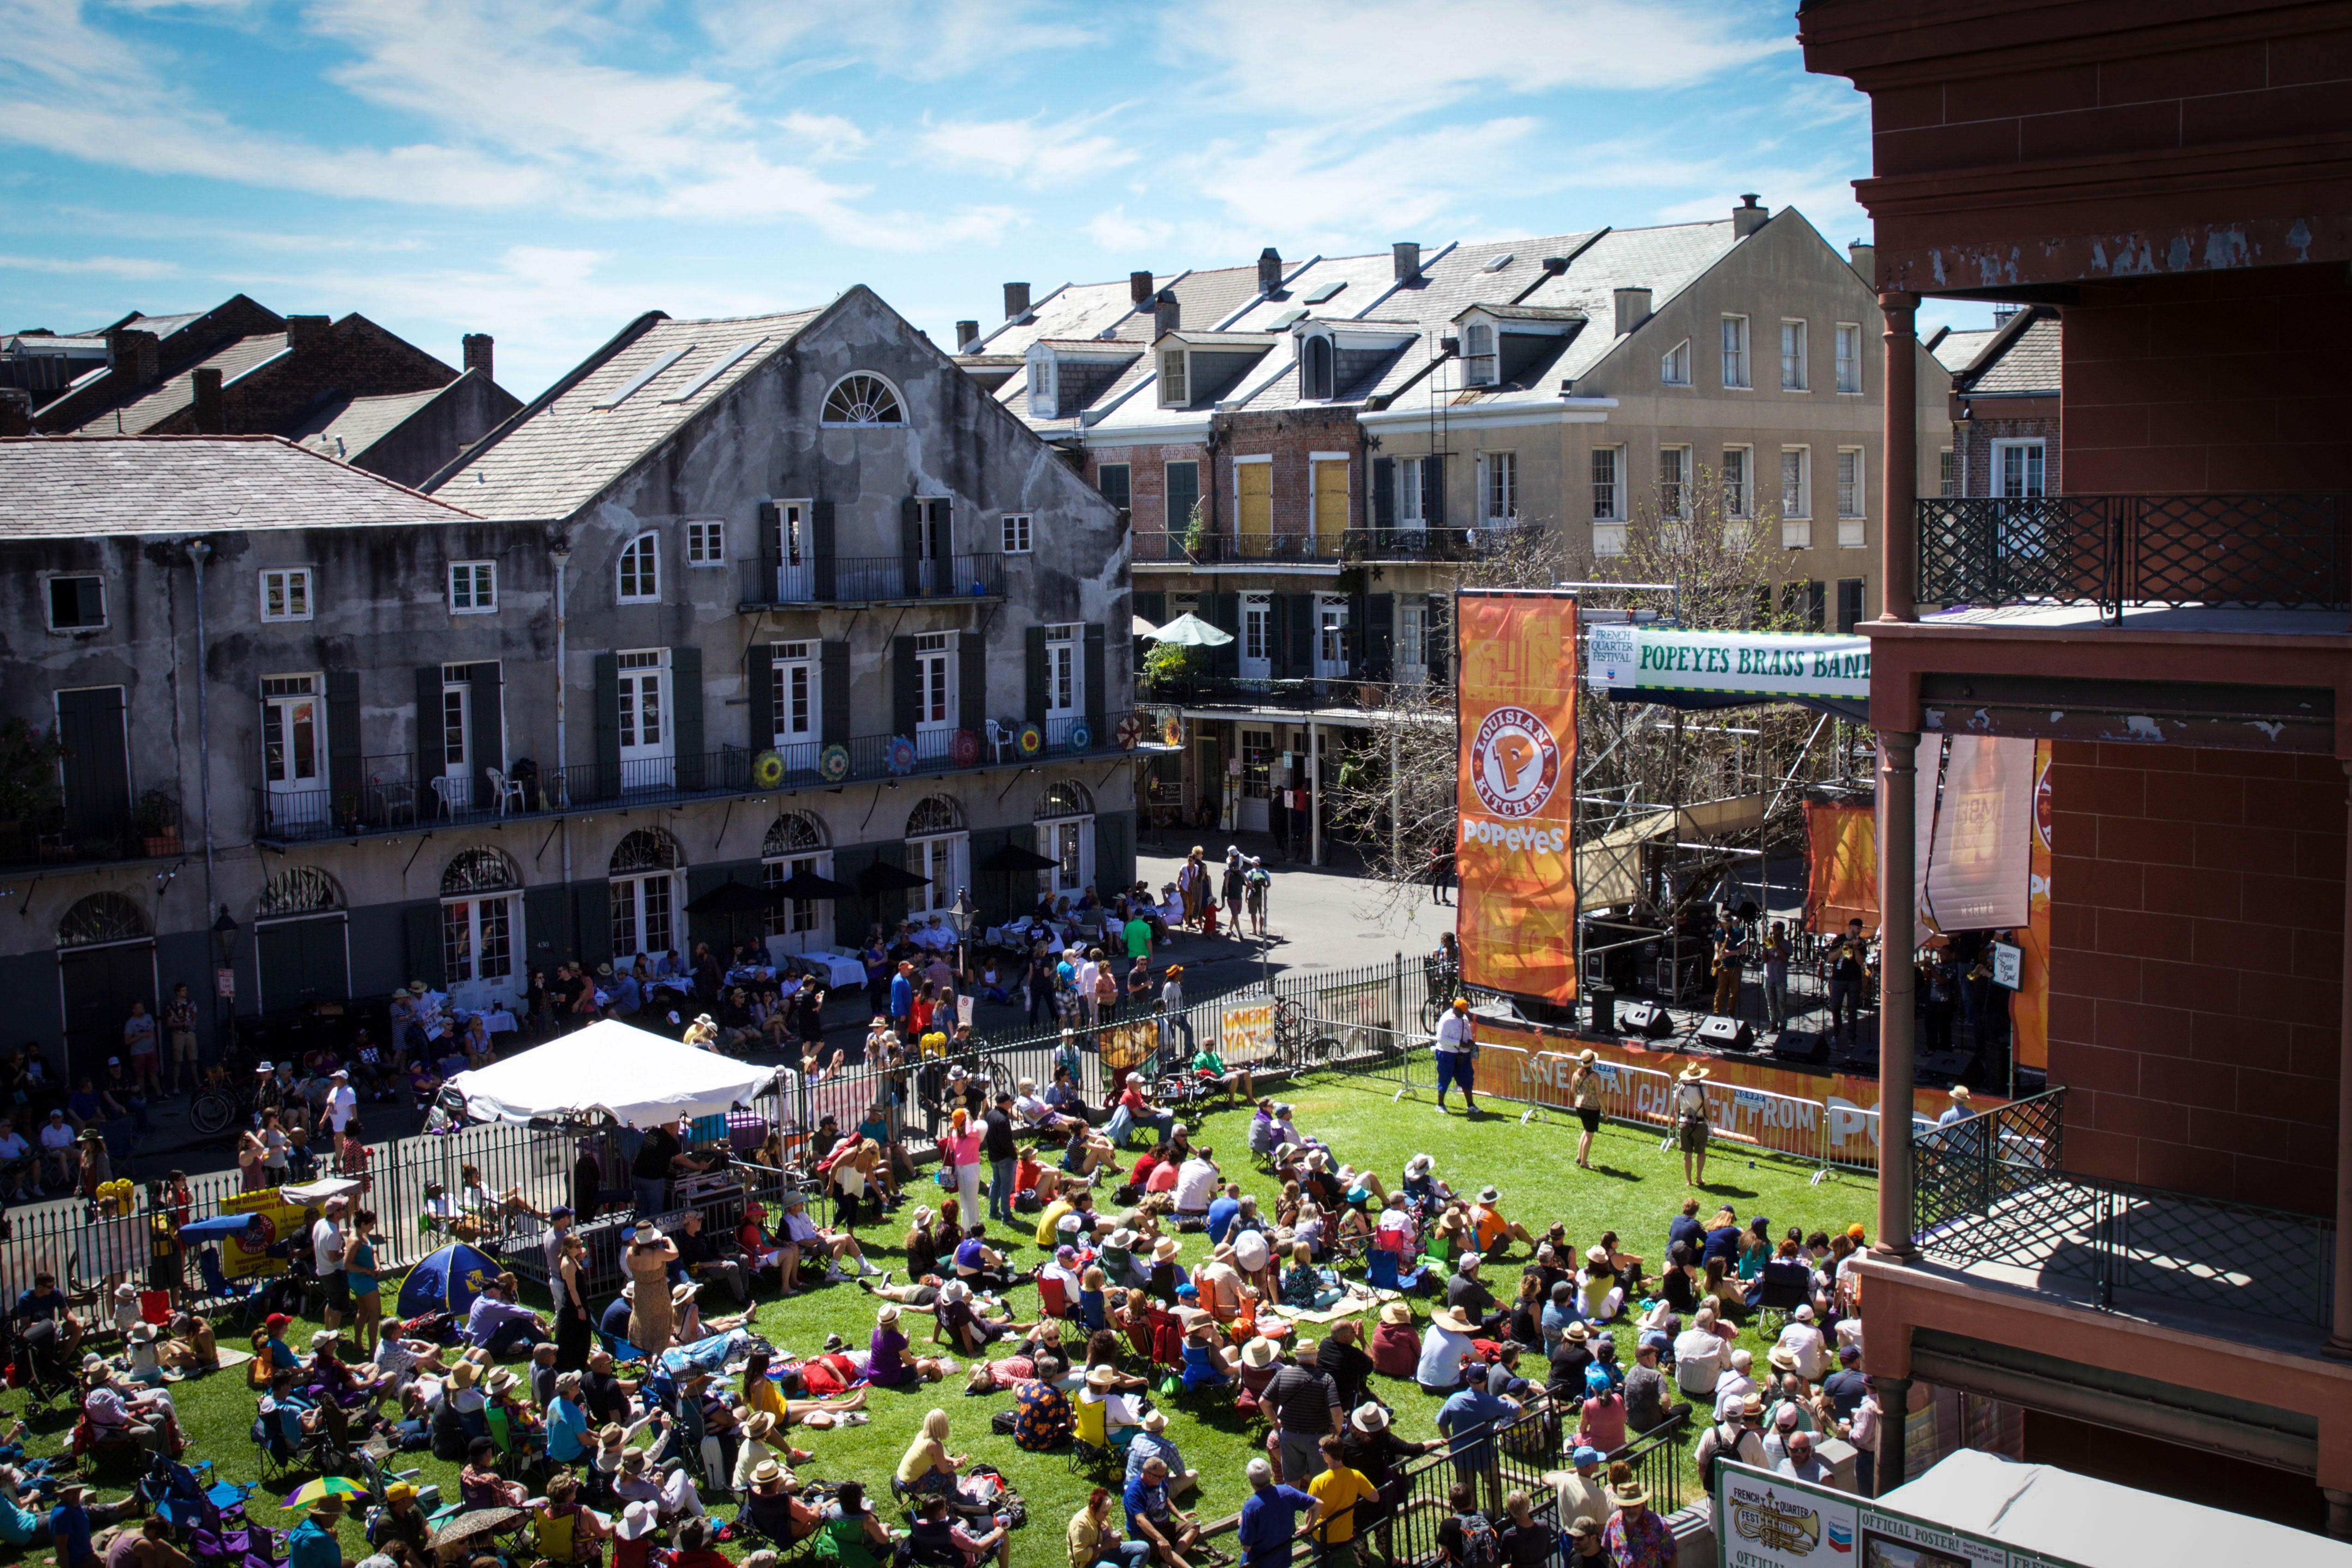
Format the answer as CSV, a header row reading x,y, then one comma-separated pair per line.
x,y
1776,1522
1669,659
1898,1541
1245,1032
1515,792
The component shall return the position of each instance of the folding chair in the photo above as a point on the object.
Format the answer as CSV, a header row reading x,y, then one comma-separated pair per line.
x,y
1050,1296
1382,1273
1090,1448
1780,1288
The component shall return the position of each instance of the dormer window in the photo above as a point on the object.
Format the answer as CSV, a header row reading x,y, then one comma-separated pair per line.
x,y
1171,379
1315,373
1042,399
1479,354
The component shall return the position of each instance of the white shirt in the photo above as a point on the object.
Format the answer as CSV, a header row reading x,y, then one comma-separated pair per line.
x,y
1454,1031
57,1135
341,1101
1810,1349
1699,1361
1442,1351
327,1246
1196,1183
14,1147
1731,1391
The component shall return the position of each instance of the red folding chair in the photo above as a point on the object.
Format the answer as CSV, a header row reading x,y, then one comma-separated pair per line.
x,y
1050,1296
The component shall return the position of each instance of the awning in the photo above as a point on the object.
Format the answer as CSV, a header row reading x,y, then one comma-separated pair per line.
x,y
1721,669
633,1075
1609,868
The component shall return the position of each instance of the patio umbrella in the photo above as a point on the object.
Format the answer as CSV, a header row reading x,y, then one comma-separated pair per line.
x,y
806,884
1141,627
884,878
1189,630
732,898
1018,857
476,1522
310,1492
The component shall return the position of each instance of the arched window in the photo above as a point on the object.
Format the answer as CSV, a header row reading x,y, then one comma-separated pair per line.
x,y
643,893
639,574
480,927
863,399
299,891
795,844
1478,355
102,918
936,847
1065,815
1069,798
478,872
1317,368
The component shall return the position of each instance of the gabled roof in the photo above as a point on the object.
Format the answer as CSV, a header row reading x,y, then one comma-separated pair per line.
x,y
239,357
154,485
1955,350
557,454
2020,358
1206,299
346,427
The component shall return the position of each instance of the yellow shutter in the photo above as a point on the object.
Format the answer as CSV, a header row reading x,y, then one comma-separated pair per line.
x,y
1256,482
1330,505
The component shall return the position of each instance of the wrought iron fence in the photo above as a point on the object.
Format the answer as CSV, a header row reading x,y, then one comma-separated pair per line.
x,y
2255,551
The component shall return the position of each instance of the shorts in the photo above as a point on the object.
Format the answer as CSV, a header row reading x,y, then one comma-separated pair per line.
x,y
1589,1115
1454,1068
338,1289
183,1045
1692,1136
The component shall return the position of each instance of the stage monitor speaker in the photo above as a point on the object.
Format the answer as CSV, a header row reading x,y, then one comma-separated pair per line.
x,y
1726,1034
1646,1018
1602,1003
1806,1046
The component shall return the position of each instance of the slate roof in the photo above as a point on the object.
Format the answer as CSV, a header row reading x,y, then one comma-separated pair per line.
x,y
359,423
53,487
1954,351
2022,360
555,455
175,392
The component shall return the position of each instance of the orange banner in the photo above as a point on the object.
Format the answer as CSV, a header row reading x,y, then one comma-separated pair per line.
x,y
1843,881
2028,1010
1516,792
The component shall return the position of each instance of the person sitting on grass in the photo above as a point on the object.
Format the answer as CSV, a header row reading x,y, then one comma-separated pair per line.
x,y
479,1484
1492,1230
1422,1189
959,1320
888,1364
1306,1286
937,1539
981,1265
1600,1290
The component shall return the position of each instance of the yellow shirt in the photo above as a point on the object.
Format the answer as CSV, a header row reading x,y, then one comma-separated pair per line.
x,y
763,1395
1337,1493
1049,1222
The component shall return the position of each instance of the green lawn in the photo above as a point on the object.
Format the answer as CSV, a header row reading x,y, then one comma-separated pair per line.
x,y
1634,1190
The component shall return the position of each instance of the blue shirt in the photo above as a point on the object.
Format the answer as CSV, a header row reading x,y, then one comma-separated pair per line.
x,y
17,1527
1221,1219
567,1424
624,993
902,996
614,1320
312,1547
1686,1227
1468,1416
32,1307
71,1523
1269,1522
1144,1501
1723,1242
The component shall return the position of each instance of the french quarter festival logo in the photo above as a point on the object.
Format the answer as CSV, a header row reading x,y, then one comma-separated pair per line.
x,y
1514,764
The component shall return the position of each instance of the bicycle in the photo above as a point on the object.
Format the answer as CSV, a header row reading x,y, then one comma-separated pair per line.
x,y
222,1105
1301,1044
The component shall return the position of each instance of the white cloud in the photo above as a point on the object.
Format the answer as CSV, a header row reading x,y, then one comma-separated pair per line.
x,y
827,135
110,266
924,39
1114,230
1030,151
1326,189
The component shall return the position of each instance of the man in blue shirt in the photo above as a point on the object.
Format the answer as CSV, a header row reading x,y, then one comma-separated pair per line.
x,y
1270,1519
313,1542
44,1301
69,1527
1686,1227
500,1326
1469,1418
1222,1210
1149,1517
902,998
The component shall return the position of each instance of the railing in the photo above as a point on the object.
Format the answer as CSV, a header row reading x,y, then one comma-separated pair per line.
x,y
1398,543
1293,696
1217,549
2269,552
1992,1190
47,839
815,579
387,797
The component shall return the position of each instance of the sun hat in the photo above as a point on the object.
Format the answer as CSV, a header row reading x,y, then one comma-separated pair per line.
x,y
1631,1495
502,1380
1782,1358
1596,1253
1395,1312
1100,1378
1258,1354
1489,1195
680,1295
1451,1320
649,1234
637,1521
1576,1331
1166,1249
1155,1421
1693,1073
1369,1418
763,1421
1588,1055
1752,1407
1418,1164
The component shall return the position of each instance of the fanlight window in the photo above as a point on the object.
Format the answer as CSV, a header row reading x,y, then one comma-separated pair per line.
x,y
937,814
862,399
1069,798
101,916
302,891
793,833
646,849
478,872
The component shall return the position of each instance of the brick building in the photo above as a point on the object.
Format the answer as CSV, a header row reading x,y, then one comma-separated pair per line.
x,y
2148,1261
2003,405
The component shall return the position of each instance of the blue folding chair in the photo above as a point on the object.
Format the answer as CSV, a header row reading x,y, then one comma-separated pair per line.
x,y
1381,1272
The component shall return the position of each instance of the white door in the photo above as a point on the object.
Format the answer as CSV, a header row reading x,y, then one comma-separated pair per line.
x,y
293,742
935,697
1064,699
789,550
454,784
1258,757
1257,637
1069,843
641,914
645,742
796,699
479,938
800,925
1330,639
940,859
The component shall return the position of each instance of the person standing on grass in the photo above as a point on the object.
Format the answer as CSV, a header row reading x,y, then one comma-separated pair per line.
x,y
1584,1087
1691,1129
1456,1050
1256,885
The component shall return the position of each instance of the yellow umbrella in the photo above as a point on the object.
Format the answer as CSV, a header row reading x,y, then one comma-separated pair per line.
x,y
325,1487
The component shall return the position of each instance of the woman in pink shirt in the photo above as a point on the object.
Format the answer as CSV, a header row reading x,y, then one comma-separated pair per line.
x,y
960,1149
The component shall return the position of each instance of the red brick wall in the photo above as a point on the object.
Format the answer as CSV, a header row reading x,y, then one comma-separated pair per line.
x,y
1147,480
2213,382
1976,450
1289,437
2197,921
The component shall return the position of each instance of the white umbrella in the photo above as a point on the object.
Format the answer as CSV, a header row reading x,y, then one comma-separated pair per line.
x,y
636,1076
1189,630
1142,628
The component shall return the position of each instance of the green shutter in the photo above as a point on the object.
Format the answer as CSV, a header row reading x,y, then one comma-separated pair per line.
x,y
1152,606
1034,686
910,547
1224,613
1300,650
605,781
971,683
343,737
832,680
423,923
1095,685
431,759
592,914
906,697
1113,854
685,714
821,547
488,736
546,925
1433,490
760,695
1376,625
1384,492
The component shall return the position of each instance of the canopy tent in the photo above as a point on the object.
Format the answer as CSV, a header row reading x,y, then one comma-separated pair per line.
x,y
884,878
1609,868
632,1074
1140,627
447,1280
1700,669
2062,1516
1189,630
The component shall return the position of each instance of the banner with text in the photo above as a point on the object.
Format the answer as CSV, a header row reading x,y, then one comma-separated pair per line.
x,y
1667,658
1975,836
1841,867
1515,790
2029,1007
1769,1520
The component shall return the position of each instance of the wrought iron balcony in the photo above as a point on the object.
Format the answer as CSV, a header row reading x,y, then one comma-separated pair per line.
x,y
1991,1194
2260,552
769,580
1288,696
1401,543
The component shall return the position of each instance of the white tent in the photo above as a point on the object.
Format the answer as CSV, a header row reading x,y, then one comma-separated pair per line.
x,y
2074,1518
637,1076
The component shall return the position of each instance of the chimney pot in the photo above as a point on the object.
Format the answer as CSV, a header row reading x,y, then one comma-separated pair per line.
x,y
1269,270
1633,307
1167,314
1865,256
1140,289
1748,217
303,330
211,417
1017,302
477,347
1407,253
967,336
16,411
136,354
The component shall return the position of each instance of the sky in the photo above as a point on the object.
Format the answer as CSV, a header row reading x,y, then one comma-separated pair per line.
x,y
545,171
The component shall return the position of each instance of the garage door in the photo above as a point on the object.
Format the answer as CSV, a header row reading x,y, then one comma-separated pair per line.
x,y
99,984
302,961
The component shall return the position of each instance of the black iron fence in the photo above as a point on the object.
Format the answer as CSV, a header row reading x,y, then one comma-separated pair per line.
x,y
822,579
1289,696
2279,551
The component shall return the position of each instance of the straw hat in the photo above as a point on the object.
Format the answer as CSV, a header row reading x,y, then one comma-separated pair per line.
x,y
1782,1358
637,1521
1693,1073
1101,1379
1490,1196
1631,1495
684,1293
1596,1253
1752,1407
609,1435
1166,1249
761,1423
634,1462
502,1380
464,1373
1258,1354
1577,1332
1370,1418
649,1236
1155,1421
1395,1312
1419,1166
767,1474
1448,1318
888,1316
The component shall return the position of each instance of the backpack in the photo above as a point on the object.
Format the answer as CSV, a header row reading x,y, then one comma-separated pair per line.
x,y
1481,1547
1712,1446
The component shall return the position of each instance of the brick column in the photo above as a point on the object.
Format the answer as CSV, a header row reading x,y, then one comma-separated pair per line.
x,y
1898,811
1898,485
2339,1337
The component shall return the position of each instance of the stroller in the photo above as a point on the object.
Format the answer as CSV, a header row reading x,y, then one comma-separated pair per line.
x,y
40,1364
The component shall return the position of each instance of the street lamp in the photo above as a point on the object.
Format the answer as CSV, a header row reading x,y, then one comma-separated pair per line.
x,y
961,911
224,931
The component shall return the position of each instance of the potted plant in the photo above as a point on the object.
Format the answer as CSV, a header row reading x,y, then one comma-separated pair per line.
x,y
156,822
28,773
1196,532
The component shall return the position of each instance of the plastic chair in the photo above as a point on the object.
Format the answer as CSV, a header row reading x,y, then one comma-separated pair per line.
x,y
506,789
443,787
998,738
1090,1447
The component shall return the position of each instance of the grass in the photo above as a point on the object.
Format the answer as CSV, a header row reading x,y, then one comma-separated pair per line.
x,y
1634,1190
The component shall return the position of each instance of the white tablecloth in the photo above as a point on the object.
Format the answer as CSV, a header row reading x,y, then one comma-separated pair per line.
x,y
499,1022
835,972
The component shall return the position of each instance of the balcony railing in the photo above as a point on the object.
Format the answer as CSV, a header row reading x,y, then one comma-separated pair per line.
x,y
1437,543
387,797
812,579
52,837
1293,696
1353,544
1992,1191
2259,551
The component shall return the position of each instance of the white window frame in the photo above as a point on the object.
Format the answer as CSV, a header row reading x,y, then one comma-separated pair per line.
x,y
1019,529
473,587
645,547
796,743
1849,359
1332,635
1739,490
1175,378
1608,493
1412,658
2034,458
1481,355
651,762
1796,495
936,678
1674,481
1735,353
629,912
706,541
293,585
1065,680
1852,498
1043,386
49,604
1498,488
1408,493
1796,368
1257,630
1673,365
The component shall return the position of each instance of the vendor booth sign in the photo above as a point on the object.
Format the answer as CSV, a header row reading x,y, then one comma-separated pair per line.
x,y
1767,1521
281,1222
1666,659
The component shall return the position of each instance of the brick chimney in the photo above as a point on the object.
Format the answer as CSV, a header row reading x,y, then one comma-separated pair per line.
x,y
1269,270
1017,302
1748,217
1865,256
303,331
1138,288
16,411
479,356
1408,260
211,416
1167,314
967,336
1633,307
136,354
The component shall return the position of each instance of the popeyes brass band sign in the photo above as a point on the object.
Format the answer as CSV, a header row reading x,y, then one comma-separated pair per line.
x,y
1667,658
1515,791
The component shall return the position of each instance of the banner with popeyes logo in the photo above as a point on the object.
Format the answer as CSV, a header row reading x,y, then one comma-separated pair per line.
x,y
1515,790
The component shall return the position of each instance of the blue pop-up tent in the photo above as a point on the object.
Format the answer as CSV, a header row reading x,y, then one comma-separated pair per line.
x,y
448,1281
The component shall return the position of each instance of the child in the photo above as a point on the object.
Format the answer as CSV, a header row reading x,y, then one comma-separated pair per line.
x,y
1091,1285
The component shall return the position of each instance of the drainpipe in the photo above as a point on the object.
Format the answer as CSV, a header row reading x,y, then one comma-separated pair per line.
x,y
199,551
562,556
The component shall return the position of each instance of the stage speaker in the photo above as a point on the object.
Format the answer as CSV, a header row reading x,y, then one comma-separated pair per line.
x,y
1808,1046
1646,1018
1603,1005
1726,1034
